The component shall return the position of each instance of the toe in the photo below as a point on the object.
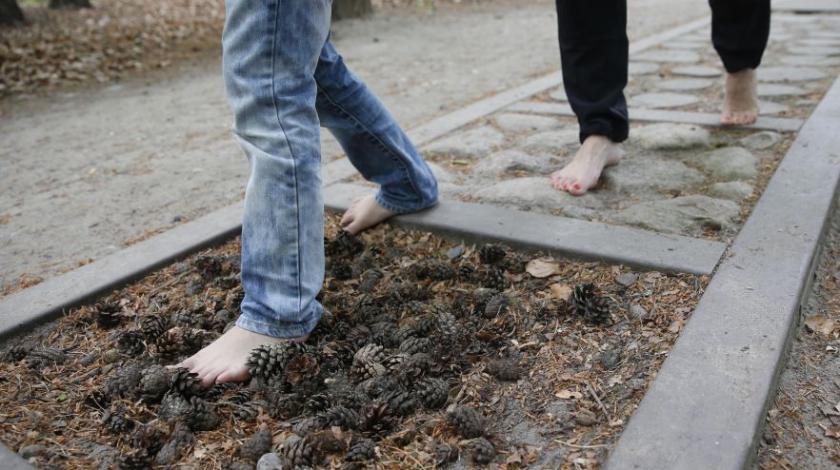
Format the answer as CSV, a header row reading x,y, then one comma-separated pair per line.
x,y
347,218
232,375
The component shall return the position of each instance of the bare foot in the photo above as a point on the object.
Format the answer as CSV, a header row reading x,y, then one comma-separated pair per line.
x,y
224,359
596,153
364,213
740,105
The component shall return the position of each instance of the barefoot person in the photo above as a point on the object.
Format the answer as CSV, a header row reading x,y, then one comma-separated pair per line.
x,y
594,53
283,78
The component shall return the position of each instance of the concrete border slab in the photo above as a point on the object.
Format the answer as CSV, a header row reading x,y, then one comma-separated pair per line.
x,y
10,460
707,406
661,115
44,301
568,237
808,6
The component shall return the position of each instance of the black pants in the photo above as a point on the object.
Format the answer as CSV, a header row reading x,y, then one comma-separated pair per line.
x,y
594,53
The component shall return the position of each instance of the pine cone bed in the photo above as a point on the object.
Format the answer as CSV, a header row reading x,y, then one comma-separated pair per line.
x,y
415,339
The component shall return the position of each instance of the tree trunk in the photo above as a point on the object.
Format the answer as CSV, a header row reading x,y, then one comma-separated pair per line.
x,y
351,9
70,4
10,12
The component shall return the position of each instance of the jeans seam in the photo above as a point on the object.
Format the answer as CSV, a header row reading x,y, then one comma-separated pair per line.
x,y
288,145
370,135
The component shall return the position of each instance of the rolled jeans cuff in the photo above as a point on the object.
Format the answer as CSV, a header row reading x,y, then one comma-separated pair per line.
x,y
277,329
403,208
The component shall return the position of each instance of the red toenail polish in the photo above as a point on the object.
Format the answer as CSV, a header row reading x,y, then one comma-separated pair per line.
x,y
577,186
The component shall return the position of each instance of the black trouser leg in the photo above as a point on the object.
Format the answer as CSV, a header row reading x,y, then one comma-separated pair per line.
x,y
593,50
740,29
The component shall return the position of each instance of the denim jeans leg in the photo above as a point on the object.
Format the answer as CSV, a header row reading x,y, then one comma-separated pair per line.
x,y
371,138
270,52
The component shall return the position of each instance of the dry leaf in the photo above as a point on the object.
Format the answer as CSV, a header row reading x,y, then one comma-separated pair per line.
x,y
561,291
820,324
542,268
567,394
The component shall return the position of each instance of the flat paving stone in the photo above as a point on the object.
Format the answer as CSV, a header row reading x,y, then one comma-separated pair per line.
x,y
684,84
442,174
685,214
645,173
729,163
473,143
642,68
685,44
819,42
733,190
512,161
790,74
559,94
775,89
551,142
813,50
700,71
761,140
812,60
670,136
662,100
534,192
669,56
769,108
514,122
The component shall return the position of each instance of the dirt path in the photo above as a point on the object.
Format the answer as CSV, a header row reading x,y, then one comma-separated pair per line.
x,y
86,173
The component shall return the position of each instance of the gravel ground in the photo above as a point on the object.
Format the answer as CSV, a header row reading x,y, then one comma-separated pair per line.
x,y
803,424
432,352
88,171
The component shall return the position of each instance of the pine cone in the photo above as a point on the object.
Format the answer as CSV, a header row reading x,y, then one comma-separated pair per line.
x,y
40,358
374,418
466,272
185,383
131,343
433,270
341,271
369,280
497,305
255,446
138,459
116,422
152,326
16,353
591,306
367,362
417,365
201,416
296,452
309,425
247,412
343,245
400,403
379,386
395,362
154,383
97,399
416,345
491,254
361,450
171,342
468,422
170,451
382,333
241,396
515,263
491,277
148,437
108,314
173,407
433,392
447,324
123,382
301,367
343,417
268,360
482,451
283,406
504,369
443,453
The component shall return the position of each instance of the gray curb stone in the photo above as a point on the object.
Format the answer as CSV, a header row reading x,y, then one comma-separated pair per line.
x,y
12,461
808,6
707,406
45,301
661,115
564,236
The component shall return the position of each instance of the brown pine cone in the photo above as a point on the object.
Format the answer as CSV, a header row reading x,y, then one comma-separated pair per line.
x,y
468,422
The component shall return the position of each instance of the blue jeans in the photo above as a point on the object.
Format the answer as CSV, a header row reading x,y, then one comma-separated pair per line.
x,y
284,80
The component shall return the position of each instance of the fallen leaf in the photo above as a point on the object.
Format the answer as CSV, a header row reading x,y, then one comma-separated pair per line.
x,y
820,324
542,268
567,394
561,291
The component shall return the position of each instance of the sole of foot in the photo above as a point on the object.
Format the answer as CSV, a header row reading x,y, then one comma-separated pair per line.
x,y
363,214
225,360
583,172
740,103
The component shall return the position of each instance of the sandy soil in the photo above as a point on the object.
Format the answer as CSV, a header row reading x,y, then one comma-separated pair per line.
x,y
84,173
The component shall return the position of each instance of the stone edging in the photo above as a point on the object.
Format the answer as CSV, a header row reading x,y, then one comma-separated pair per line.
x,y
663,115
571,238
707,406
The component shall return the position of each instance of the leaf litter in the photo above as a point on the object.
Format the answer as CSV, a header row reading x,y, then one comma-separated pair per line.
x,y
421,361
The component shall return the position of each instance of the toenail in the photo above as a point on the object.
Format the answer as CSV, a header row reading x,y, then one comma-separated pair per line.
x,y
577,186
